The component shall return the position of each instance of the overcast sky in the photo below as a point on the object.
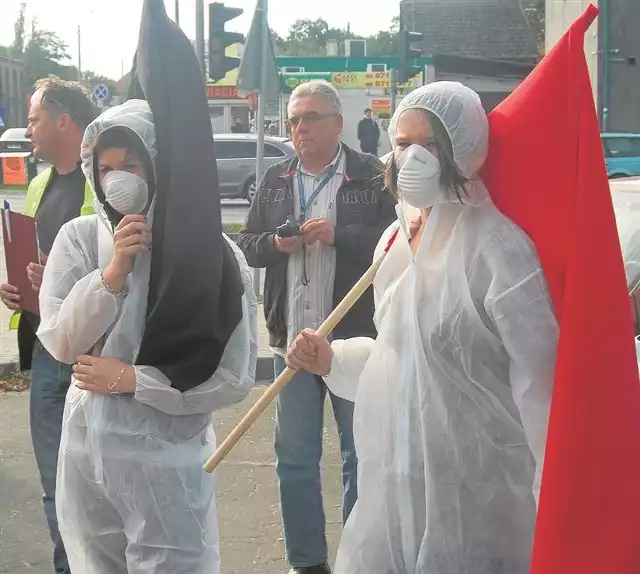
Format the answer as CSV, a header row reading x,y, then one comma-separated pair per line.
x,y
110,27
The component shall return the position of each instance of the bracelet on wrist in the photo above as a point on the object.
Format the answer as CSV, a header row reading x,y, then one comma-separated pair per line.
x,y
114,386
110,289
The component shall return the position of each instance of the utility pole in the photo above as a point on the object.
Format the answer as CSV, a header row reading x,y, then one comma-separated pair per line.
x,y
393,88
200,34
605,54
262,102
79,56
177,12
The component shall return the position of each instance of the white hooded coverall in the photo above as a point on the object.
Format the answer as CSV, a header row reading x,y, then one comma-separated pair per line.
x,y
132,496
452,398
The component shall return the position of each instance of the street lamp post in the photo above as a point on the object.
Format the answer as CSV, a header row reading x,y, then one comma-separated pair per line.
x,y
200,34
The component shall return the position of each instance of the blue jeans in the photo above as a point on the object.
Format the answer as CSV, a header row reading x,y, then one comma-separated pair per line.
x,y
50,381
298,445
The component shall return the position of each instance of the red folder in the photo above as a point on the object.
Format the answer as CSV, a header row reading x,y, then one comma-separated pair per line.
x,y
20,249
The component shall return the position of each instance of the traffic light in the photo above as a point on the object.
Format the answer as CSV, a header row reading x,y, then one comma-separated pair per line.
x,y
219,39
407,54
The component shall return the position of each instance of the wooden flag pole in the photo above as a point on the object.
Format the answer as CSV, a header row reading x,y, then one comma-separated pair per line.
x,y
285,377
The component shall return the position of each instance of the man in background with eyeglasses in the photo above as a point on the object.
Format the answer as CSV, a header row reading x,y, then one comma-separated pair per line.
x,y
59,113
314,224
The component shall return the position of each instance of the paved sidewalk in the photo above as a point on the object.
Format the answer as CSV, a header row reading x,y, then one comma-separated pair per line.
x,y
248,513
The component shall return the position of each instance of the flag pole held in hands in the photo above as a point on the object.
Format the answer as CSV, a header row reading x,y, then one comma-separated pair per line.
x,y
285,377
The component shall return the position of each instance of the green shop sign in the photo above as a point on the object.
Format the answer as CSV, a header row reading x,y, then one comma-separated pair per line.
x,y
291,81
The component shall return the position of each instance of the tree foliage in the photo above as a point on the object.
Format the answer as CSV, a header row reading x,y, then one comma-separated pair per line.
x,y
311,37
44,53
19,32
535,12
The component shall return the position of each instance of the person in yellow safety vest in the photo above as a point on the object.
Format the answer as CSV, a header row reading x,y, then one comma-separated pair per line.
x,y
59,113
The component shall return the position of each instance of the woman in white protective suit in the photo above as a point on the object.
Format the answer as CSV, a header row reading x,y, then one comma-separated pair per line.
x,y
452,398
131,494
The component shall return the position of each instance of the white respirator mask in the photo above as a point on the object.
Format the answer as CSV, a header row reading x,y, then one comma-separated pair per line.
x,y
419,178
126,192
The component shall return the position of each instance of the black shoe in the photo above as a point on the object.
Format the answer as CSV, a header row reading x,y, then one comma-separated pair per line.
x,y
322,569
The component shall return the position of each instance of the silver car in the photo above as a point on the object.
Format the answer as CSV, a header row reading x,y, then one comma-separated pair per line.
x,y
236,160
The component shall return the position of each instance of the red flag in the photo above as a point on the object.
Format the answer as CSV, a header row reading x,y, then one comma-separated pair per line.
x,y
546,171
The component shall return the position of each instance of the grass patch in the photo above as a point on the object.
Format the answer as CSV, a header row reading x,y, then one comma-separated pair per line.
x,y
231,227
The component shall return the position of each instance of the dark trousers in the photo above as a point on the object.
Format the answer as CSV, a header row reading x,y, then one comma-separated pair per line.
x,y
50,382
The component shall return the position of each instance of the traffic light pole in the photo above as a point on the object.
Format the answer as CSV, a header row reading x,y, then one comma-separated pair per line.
x,y
262,101
393,88
200,34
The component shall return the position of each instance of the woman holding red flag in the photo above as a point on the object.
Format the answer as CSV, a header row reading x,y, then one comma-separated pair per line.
x,y
452,408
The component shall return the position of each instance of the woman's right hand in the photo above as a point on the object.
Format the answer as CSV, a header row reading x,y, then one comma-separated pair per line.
x,y
130,238
310,352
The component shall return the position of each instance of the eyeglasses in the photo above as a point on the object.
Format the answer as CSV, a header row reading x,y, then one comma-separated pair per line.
x,y
65,109
308,118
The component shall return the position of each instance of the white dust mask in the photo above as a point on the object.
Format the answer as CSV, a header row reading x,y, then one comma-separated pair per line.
x,y
126,192
419,178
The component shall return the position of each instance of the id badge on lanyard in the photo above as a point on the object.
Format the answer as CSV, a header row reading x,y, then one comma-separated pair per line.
x,y
304,203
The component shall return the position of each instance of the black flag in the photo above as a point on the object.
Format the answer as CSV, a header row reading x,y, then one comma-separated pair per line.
x,y
195,290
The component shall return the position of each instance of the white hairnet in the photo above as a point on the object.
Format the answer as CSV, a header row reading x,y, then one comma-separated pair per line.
x,y
133,114
460,110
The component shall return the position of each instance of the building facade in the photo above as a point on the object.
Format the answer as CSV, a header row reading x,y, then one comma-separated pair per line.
x,y
612,48
13,92
620,77
365,83
484,29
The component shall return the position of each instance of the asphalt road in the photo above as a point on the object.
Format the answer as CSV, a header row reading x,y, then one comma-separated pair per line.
x,y
233,211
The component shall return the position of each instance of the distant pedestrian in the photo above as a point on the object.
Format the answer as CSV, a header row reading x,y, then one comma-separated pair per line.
x,y
368,133
236,126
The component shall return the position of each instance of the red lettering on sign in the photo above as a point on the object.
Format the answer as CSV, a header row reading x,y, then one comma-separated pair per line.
x,y
222,92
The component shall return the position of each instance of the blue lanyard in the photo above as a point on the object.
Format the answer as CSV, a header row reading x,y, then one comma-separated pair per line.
x,y
304,203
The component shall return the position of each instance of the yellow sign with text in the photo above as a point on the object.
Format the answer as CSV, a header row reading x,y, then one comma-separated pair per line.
x,y
363,80
360,80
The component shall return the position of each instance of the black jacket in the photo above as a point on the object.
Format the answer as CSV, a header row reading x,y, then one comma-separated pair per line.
x,y
368,133
364,210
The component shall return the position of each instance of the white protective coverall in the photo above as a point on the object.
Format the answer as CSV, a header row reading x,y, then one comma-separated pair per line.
x,y
131,492
452,404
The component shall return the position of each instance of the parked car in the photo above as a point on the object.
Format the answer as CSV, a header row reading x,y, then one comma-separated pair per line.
x,y
236,160
622,154
14,140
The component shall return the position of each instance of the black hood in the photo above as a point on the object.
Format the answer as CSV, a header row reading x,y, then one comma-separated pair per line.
x,y
195,290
